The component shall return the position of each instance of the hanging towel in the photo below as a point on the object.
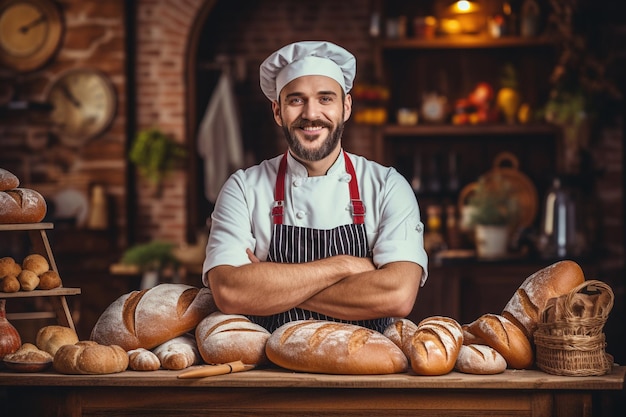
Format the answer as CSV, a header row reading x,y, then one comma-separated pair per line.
x,y
219,138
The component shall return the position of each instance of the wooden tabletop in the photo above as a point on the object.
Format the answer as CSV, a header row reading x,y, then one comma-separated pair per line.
x,y
510,379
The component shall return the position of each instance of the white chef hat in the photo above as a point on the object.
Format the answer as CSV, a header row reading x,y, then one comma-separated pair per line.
x,y
306,58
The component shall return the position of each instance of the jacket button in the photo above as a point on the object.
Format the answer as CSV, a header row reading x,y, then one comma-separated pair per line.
x,y
297,182
300,214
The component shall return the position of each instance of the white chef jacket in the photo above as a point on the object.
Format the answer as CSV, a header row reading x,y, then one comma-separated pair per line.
x,y
242,215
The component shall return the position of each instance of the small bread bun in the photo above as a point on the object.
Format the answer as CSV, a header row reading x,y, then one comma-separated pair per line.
x,y
480,360
90,358
49,280
28,280
179,353
51,338
36,263
28,353
8,266
8,180
141,359
10,283
435,345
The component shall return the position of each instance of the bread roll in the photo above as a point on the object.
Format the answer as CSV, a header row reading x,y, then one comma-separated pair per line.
x,y
49,280
526,305
480,360
505,337
90,358
8,266
179,353
28,353
10,283
36,263
143,360
334,348
51,338
28,280
224,338
435,346
8,180
153,316
401,332
22,205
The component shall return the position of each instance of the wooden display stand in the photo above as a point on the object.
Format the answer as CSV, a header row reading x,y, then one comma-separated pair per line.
x,y
41,245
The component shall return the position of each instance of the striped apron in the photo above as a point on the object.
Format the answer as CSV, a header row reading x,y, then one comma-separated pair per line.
x,y
292,244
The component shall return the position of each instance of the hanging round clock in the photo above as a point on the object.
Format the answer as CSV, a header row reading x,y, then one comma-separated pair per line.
x,y
30,33
84,103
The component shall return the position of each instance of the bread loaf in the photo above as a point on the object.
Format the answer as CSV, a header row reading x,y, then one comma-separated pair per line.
x,y
334,348
435,346
178,353
36,263
526,305
90,358
8,180
51,338
153,316
22,205
469,338
49,280
141,359
28,353
505,337
401,332
480,360
224,338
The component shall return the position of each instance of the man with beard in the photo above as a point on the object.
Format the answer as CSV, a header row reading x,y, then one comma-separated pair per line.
x,y
316,232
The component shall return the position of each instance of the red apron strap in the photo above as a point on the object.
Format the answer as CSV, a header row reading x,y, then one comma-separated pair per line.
x,y
279,192
358,209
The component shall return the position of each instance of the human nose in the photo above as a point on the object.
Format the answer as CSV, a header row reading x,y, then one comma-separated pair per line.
x,y
311,110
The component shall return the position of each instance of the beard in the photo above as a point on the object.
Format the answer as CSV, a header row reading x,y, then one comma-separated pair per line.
x,y
325,149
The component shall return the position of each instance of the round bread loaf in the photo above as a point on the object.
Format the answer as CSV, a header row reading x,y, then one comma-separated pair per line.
x,y
401,333
526,305
153,316
179,353
36,263
22,205
8,180
435,346
90,358
141,359
49,280
505,337
480,360
224,338
334,348
28,280
51,338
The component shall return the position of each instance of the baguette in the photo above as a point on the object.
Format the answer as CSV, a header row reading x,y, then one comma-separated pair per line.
x,y
178,353
224,338
505,337
525,307
153,316
320,346
90,358
22,205
480,360
401,332
435,346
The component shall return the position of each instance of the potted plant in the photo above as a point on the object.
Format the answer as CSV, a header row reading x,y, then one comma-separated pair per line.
x,y
493,211
152,259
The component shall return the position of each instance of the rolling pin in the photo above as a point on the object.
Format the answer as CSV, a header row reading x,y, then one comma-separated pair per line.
x,y
212,370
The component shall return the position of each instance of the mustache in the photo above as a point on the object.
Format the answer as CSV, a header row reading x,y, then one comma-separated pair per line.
x,y
301,123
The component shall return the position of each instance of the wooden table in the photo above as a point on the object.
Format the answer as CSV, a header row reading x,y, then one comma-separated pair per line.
x,y
276,392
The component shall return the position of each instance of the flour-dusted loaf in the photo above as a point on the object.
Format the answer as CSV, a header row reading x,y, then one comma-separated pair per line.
x,y
141,359
178,353
51,338
505,337
320,346
153,316
22,205
526,305
90,358
8,180
224,338
401,332
480,360
435,345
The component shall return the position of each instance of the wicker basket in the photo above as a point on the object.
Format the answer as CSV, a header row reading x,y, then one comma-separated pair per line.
x,y
573,345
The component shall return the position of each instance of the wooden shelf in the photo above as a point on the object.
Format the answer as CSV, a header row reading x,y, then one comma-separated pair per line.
x,y
466,42
41,293
469,130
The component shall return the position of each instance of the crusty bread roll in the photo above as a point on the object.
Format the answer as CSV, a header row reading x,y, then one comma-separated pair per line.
x,y
90,358
178,353
435,345
10,283
480,360
8,180
505,337
153,316
28,280
51,338
8,266
524,308
224,338
334,348
28,353
22,205
401,332
141,359
36,263
49,280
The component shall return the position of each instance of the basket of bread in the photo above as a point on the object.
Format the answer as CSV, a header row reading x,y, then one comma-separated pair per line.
x,y
569,339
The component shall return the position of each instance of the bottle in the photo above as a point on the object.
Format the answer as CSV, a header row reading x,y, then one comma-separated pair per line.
x,y
433,238
529,19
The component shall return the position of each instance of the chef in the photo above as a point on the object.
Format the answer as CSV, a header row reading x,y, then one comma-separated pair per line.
x,y
316,232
